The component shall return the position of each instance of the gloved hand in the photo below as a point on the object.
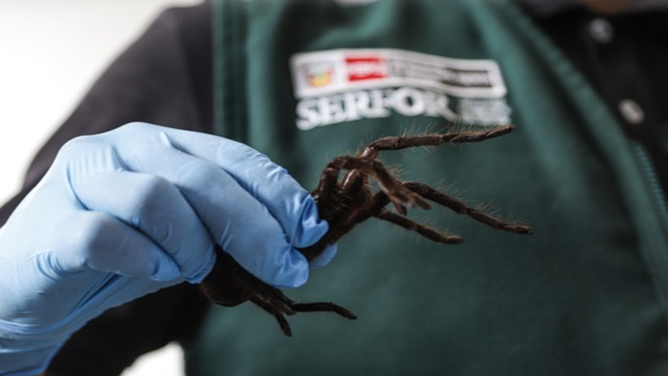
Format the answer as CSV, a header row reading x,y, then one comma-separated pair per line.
x,y
125,213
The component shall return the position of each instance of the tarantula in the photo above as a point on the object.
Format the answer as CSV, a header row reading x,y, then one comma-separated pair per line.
x,y
347,202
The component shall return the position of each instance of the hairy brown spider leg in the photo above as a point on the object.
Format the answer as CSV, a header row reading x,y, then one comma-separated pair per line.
x,y
326,193
292,308
405,142
401,197
278,314
336,203
438,197
380,200
421,229
332,195
243,286
279,305
459,207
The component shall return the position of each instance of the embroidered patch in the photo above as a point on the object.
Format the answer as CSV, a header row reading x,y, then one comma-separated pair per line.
x,y
335,86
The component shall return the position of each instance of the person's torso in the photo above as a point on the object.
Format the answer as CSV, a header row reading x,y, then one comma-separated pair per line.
x,y
305,81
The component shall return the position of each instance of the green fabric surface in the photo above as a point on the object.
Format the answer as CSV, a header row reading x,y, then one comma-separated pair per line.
x,y
583,295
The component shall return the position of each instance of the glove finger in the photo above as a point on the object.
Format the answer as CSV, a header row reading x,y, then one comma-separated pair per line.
x,y
103,243
291,205
325,257
156,208
239,223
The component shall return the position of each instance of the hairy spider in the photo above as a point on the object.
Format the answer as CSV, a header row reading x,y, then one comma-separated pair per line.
x,y
347,202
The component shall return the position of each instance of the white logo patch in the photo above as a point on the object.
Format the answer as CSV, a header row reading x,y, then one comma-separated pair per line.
x,y
335,86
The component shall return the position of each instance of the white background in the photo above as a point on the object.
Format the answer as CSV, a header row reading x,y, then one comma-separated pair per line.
x,y
50,52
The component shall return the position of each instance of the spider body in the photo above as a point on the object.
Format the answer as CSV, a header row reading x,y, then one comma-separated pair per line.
x,y
346,202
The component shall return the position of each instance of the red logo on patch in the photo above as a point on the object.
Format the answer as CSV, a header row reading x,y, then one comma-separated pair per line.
x,y
366,68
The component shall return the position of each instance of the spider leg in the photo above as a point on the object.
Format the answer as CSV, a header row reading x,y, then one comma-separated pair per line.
x,y
459,207
240,286
405,142
279,305
401,197
324,307
278,313
421,229
327,191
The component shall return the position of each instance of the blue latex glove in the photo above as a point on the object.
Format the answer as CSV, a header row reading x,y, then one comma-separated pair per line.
x,y
125,213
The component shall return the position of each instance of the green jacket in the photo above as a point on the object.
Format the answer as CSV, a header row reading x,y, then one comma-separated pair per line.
x,y
305,81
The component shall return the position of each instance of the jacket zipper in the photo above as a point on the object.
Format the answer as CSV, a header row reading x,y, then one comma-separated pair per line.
x,y
656,190
656,258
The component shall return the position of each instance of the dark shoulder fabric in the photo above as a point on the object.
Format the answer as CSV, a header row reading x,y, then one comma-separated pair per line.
x,y
627,64
163,78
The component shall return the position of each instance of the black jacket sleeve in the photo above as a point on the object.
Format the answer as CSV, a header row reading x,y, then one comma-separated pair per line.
x,y
163,78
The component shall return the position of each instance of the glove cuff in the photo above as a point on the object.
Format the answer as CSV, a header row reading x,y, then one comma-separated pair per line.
x,y
24,351
25,363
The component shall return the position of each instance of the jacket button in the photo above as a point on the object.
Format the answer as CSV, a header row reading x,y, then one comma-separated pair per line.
x,y
631,111
601,30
